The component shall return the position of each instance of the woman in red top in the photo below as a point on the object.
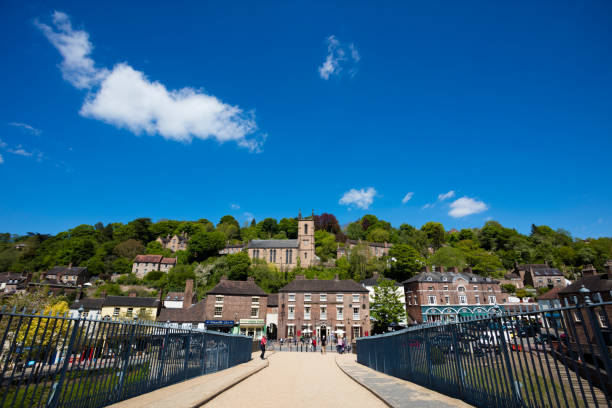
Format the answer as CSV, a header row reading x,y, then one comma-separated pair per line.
x,y
262,345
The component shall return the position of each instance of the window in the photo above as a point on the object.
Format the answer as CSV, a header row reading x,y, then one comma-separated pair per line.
x,y
307,313
409,300
461,289
292,297
291,312
444,279
290,331
254,312
289,256
273,255
255,299
116,311
323,312
323,297
307,297
219,299
475,287
218,311
355,313
143,312
558,280
256,253
429,279
490,289
305,255
129,312
491,300
446,288
355,298
432,300
477,299
339,298
415,301
549,280
447,299
305,229
339,314
462,300
430,288
539,280
603,319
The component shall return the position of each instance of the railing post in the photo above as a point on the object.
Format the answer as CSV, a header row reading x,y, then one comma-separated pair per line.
x,y
458,359
162,358
126,359
187,350
57,387
428,357
504,347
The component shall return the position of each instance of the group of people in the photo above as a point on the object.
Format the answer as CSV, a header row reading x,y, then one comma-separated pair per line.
x,y
311,342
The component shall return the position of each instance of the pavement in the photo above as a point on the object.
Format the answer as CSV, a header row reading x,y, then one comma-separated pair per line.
x,y
298,380
393,391
197,391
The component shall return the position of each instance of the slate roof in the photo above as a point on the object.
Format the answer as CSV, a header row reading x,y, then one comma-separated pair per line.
x,y
273,300
175,296
235,246
595,283
171,261
131,301
551,294
373,281
321,285
194,314
88,304
512,275
237,288
438,277
67,270
148,258
273,243
6,277
541,270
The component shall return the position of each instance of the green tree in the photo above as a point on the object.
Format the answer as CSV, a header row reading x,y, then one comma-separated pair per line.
x,y
435,233
386,307
238,265
269,227
448,257
325,245
129,249
405,262
205,244
378,234
289,226
355,231
508,287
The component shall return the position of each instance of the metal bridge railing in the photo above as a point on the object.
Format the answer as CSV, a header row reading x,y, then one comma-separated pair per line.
x,y
60,361
551,358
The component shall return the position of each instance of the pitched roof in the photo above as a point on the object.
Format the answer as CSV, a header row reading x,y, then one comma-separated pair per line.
x,y
88,303
67,270
541,269
194,314
9,276
551,294
512,275
595,283
171,261
440,277
273,300
175,296
373,281
320,285
273,243
237,288
235,246
131,301
148,258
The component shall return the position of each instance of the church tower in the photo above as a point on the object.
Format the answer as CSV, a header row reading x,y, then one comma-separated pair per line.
x,y
306,240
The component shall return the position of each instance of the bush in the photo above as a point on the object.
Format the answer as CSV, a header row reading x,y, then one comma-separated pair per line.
x,y
508,287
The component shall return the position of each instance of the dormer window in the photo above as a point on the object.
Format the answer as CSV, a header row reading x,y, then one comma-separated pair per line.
x,y
444,279
474,279
429,279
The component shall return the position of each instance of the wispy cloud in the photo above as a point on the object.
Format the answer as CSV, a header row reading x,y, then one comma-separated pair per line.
x,y
446,196
361,198
340,57
235,207
19,150
407,197
427,206
26,127
126,98
464,206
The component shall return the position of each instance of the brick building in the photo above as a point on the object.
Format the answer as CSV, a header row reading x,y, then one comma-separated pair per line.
x,y
539,275
11,283
286,253
144,264
190,314
447,296
237,306
66,275
375,249
598,287
312,307
174,242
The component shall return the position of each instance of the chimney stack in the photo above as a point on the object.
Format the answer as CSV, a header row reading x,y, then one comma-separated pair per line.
x,y
589,270
442,269
188,300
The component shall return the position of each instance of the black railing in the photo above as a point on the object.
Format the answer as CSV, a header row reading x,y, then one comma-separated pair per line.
x,y
60,361
550,358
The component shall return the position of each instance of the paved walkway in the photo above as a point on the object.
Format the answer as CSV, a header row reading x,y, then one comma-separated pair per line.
x,y
298,380
394,391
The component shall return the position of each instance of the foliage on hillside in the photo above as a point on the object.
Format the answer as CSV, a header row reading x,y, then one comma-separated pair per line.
x,y
110,249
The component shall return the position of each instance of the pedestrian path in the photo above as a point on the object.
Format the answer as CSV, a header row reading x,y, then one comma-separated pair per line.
x,y
394,391
298,380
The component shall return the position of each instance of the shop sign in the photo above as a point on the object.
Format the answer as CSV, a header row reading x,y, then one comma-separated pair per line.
x,y
252,322
219,322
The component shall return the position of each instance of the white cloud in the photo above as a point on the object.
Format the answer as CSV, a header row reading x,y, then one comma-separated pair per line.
x,y
126,98
407,197
466,206
338,55
361,198
235,207
427,206
19,150
446,196
27,127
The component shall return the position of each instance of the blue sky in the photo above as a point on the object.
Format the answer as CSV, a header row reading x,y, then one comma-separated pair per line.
x,y
482,110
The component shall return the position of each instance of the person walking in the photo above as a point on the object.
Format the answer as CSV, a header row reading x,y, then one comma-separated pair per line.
x,y
262,345
323,343
314,344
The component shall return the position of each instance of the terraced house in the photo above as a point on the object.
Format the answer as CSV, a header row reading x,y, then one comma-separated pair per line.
x,y
437,295
144,264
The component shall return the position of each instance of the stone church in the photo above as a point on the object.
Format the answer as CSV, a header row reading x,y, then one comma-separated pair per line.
x,y
287,253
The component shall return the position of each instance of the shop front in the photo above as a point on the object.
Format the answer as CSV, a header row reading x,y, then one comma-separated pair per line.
x,y
224,326
252,327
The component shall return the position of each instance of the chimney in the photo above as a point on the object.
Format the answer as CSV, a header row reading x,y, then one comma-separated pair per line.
x,y
188,300
425,269
589,270
454,269
132,293
442,269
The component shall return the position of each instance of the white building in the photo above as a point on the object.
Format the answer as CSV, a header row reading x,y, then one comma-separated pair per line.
x,y
372,282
